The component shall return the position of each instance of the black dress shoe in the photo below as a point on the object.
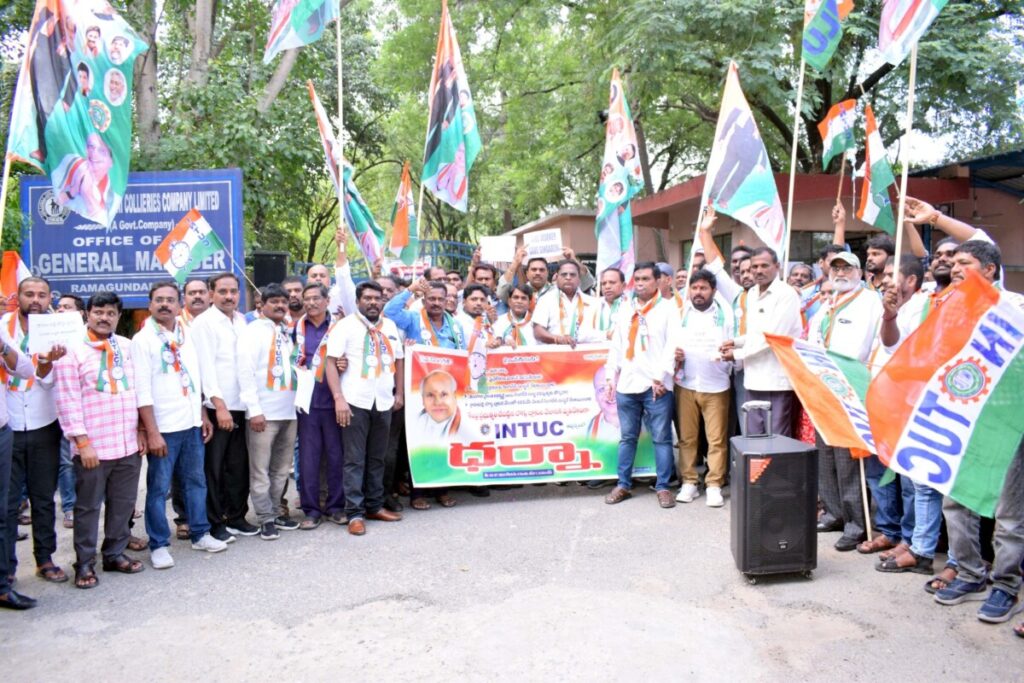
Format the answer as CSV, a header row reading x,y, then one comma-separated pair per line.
x,y
13,600
393,504
848,543
824,527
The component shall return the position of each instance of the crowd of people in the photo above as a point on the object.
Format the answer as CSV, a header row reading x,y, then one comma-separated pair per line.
x,y
206,393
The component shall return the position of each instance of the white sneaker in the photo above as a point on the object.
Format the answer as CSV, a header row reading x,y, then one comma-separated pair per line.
x,y
209,544
715,499
688,493
161,558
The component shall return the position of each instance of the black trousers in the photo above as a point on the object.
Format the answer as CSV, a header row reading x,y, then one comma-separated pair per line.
x,y
6,441
114,485
227,472
35,463
365,441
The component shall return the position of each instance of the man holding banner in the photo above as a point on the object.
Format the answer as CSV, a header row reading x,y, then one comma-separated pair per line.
x,y
639,376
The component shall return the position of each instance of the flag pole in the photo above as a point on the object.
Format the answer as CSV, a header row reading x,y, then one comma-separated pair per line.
x,y
3,192
903,156
241,270
842,174
864,499
792,167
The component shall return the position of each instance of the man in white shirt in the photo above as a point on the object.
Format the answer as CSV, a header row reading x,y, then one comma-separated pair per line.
x,y
613,287
35,457
702,386
640,376
17,364
565,315
266,380
770,306
169,390
846,324
216,333
365,394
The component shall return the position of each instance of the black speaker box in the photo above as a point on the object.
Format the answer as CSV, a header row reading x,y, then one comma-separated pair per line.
x,y
774,493
269,267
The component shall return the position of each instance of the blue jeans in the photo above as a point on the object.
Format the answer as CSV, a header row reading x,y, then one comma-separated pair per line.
x,y
66,478
657,415
184,458
887,500
927,518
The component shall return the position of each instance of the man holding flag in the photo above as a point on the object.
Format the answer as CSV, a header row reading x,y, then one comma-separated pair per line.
x,y
847,324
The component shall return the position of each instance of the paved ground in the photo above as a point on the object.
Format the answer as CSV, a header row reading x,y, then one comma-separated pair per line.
x,y
530,584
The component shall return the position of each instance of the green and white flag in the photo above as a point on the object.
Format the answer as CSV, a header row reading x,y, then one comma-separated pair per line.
x,y
72,111
875,206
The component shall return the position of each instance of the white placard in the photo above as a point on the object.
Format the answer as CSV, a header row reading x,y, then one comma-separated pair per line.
x,y
497,248
544,243
48,329
305,380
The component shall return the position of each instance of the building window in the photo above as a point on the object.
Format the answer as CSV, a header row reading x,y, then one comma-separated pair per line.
x,y
724,243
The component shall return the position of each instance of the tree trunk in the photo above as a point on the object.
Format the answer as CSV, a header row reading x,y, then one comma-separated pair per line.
x,y
645,168
147,105
200,22
277,82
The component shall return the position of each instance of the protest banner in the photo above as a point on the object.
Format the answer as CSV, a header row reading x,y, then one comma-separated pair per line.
x,y
543,418
407,271
79,257
544,243
50,329
497,248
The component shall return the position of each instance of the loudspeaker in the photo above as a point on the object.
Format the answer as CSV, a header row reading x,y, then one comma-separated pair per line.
x,y
269,267
774,494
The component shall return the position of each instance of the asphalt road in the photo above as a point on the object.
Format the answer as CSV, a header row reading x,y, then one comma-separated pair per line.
x,y
537,583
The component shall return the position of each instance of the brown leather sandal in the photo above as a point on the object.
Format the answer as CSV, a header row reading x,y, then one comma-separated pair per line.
x,y
85,577
123,564
51,572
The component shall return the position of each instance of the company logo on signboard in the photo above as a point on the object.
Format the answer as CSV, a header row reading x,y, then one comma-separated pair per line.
x,y
50,211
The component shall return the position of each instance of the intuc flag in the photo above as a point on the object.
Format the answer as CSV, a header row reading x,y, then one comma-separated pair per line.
x,y
72,111
453,140
837,130
190,242
945,410
357,215
294,23
739,179
404,239
621,180
831,388
823,29
902,25
875,206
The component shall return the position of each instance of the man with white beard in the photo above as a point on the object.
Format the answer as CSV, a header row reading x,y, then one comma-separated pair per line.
x,y
847,324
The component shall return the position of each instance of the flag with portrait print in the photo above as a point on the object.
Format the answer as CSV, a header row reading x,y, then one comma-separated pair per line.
x,y
621,180
72,111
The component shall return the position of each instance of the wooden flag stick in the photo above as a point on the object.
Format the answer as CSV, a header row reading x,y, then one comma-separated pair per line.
x,y
864,499
341,127
904,161
3,192
842,174
792,168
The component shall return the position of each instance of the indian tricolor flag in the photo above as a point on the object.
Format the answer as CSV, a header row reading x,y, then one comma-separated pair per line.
x,y
404,238
875,206
837,130
945,410
831,389
902,25
190,242
12,272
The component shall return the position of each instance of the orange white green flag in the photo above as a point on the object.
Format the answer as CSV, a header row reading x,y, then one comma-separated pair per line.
x,y
902,25
404,238
875,206
945,409
831,388
12,272
837,130
190,242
